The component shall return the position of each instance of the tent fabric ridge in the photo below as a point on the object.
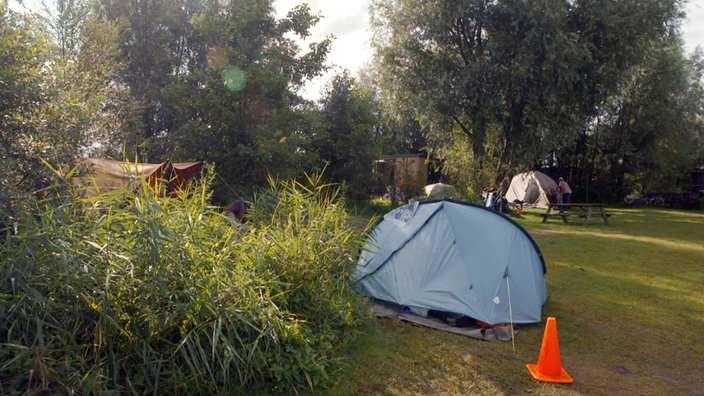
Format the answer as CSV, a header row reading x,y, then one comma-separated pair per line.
x,y
526,233
402,245
510,220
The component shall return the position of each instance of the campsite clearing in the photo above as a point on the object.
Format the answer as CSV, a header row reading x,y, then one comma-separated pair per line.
x,y
629,305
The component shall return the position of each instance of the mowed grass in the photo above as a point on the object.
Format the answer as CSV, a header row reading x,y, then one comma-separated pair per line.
x,y
629,303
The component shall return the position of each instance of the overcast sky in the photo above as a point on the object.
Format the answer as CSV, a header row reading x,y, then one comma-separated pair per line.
x,y
348,20
693,28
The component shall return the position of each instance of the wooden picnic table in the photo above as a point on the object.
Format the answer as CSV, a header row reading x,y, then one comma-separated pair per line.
x,y
585,210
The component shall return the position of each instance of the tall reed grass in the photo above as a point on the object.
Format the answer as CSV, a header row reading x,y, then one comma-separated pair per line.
x,y
131,292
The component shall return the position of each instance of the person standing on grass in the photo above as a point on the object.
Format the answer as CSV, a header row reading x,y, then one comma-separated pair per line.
x,y
566,193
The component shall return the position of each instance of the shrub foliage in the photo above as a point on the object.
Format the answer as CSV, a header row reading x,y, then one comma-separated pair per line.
x,y
131,292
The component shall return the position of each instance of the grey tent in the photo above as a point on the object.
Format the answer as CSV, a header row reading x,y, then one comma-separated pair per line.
x,y
439,191
454,257
535,189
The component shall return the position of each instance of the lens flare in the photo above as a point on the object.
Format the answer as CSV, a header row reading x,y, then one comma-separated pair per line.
x,y
233,78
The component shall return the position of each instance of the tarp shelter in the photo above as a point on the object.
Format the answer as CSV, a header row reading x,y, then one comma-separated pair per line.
x,y
454,257
535,189
96,175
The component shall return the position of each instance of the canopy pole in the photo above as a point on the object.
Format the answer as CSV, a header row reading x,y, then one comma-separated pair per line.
x,y
510,314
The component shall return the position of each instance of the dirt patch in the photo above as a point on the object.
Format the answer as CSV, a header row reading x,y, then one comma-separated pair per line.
x,y
619,370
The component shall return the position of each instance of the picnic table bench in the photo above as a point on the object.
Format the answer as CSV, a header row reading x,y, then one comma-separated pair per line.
x,y
585,210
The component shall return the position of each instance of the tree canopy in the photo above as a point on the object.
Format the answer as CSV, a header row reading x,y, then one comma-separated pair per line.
x,y
524,82
598,91
189,80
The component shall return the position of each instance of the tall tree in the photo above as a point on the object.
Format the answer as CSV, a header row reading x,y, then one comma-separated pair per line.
x,y
396,131
218,82
347,140
24,53
654,130
512,77
154,44
89,110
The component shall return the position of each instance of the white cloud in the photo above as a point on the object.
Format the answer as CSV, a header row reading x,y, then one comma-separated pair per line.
x,y
693,25
348,21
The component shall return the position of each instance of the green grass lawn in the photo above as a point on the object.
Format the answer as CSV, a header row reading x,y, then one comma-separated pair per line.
x,y
629,303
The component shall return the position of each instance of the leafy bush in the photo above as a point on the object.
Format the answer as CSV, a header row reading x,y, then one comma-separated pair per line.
x,y
130,292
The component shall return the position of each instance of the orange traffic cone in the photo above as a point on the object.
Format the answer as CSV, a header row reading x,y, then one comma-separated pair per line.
x,y
549,367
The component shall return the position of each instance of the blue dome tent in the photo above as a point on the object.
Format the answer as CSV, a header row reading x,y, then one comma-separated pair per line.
x,y
454,257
